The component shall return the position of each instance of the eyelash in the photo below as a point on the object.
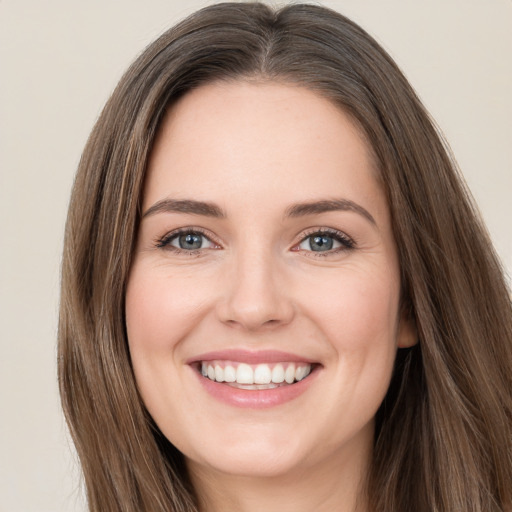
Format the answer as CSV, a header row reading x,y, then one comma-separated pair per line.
x,y
165,241
346,242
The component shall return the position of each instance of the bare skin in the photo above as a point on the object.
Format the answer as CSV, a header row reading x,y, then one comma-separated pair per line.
x,y
264,229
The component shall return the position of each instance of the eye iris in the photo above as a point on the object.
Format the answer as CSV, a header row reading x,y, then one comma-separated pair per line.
x,y
190,241
320,243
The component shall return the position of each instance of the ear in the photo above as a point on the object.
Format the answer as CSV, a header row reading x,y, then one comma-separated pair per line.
x,y
407,332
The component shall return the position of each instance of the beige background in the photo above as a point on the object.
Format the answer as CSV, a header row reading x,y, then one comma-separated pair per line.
x,y
59,60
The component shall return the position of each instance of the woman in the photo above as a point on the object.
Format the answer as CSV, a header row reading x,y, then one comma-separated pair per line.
x,y
276,291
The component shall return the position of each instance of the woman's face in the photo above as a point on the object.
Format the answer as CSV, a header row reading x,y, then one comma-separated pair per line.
x,y
262,306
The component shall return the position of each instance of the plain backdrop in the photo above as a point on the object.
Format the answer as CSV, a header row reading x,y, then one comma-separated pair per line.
x,y
59,61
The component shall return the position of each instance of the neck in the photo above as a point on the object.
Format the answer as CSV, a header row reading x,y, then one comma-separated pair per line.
x,y
334,485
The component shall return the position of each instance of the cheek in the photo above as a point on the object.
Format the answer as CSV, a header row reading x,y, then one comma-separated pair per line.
x,y
160,308
358,316
357,309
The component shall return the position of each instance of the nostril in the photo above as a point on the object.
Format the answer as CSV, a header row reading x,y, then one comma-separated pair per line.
x,y
254,324
254,301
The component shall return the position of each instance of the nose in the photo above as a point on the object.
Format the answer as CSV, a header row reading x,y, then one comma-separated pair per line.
x,y
254,294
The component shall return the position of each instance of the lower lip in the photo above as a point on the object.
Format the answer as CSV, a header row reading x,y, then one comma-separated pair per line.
x,y
256,398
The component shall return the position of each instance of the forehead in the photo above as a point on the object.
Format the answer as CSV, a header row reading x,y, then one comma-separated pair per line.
x,y
247,139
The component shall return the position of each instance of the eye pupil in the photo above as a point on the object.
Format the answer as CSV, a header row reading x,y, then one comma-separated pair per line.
x,y
320,243
190,241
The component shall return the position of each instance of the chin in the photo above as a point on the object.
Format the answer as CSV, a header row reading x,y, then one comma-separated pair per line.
x,y
260,451
252,463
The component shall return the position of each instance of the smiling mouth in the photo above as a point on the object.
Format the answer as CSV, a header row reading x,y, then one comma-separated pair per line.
x,y
256,376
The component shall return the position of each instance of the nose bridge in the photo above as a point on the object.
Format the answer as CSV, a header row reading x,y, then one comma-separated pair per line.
x,y
255,297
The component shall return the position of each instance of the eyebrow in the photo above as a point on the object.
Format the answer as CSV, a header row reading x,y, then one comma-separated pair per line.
x,y
185,206
328,205
207,209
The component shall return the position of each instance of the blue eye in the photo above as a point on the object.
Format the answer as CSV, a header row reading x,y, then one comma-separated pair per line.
x,y
326,242
320,243
186,241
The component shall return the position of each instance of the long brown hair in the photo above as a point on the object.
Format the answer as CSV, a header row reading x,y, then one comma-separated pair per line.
x,y
444,431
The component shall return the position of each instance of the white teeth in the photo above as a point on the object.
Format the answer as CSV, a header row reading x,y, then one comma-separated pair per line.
x,y
289,374
254,386
219,374
229,374
260,376
301,372
244,374
278,374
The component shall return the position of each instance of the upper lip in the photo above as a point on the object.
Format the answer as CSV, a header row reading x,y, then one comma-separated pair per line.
x,y
250,356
